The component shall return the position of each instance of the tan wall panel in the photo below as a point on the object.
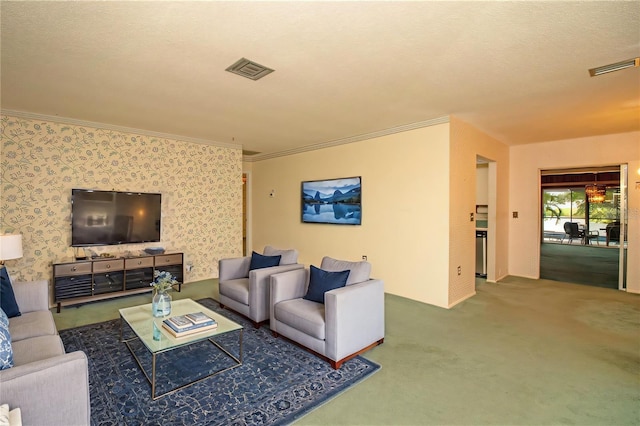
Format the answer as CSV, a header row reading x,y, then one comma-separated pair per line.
x,y
526,163
405,199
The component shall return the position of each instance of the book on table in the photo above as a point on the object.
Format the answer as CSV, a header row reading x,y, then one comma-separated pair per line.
x,y
180,325
188,331
189,320
197,317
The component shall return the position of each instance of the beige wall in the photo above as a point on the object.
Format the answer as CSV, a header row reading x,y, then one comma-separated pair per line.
x,y
418,190
467,143
482,184
405,204
526,163
42,161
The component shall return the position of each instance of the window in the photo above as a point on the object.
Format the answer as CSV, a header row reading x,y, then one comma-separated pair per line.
x,y
562,205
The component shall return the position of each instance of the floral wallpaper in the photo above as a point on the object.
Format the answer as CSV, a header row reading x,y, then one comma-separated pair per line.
x,y
201,187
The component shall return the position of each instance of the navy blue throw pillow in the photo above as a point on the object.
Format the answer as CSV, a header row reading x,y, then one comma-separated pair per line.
x,y
322,281
7,298
259,261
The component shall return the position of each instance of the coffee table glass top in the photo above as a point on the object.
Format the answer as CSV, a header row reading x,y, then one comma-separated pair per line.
x,y
141,321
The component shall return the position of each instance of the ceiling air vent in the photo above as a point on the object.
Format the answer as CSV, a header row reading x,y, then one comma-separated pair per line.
x,y
249,69
630,63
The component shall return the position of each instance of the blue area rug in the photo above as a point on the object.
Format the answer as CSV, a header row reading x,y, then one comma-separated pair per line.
x,y
277,383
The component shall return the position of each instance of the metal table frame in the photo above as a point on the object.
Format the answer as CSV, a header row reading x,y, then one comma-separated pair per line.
x,y
151,378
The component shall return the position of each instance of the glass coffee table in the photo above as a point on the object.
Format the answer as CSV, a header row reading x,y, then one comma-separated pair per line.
x,y
157,341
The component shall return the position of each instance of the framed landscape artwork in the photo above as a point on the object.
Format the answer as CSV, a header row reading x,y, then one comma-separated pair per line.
x,y
336,201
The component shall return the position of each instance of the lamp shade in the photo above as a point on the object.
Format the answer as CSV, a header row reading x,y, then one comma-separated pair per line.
x,y
10,246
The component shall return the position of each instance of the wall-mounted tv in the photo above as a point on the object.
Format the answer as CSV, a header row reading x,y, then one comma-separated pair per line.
x,y
109,217
336,201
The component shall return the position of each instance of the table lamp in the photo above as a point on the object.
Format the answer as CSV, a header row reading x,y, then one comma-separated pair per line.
x,y
10,247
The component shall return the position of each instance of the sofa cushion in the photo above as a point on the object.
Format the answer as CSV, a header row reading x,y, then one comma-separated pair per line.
x,y
289,256
36,349
10,418
360,271
259,261
6,350
15,416
4,319
237,290
7,297
32,324
321,281
303,315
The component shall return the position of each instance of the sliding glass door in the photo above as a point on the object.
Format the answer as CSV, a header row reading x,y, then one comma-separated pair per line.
x,y
621,205
595,254
562,205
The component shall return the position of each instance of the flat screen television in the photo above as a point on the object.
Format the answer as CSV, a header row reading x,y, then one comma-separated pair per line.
x,y
335,201
101,218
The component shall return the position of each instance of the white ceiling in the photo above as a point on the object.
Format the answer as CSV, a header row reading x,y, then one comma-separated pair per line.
x,y
516,70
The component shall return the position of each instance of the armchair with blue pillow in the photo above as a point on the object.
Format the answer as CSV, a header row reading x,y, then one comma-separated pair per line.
x,y
336,311
244,281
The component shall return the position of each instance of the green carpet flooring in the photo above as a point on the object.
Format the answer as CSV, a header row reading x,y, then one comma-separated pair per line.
x,y
580,264
520,352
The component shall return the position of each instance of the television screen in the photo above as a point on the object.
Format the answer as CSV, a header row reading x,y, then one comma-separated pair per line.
x,y
336,201
108,217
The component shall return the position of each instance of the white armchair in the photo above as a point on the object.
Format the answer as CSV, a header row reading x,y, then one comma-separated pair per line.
x,y
350,322
247,291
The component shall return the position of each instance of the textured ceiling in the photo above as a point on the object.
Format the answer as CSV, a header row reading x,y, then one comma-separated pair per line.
x,y
516,70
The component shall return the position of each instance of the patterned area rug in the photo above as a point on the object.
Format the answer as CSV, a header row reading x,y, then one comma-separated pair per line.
x,y
277,383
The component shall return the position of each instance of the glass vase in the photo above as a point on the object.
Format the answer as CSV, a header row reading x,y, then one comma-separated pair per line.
x,y
161,303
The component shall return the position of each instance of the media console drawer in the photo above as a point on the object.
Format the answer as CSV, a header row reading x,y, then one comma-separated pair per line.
x,y
66,269
108,265
140,262
169,259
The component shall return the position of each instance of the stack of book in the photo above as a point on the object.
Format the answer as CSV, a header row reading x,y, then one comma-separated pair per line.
x,y
184,325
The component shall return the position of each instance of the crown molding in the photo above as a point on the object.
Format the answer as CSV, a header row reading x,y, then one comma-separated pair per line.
x,y
253,158
83,123
351,139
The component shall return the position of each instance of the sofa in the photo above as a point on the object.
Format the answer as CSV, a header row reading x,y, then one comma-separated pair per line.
x,y
49,386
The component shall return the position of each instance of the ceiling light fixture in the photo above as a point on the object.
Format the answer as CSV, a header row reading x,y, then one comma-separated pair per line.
x,y
249,69
595,193
629,63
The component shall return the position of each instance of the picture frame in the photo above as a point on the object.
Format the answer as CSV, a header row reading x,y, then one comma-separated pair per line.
x,y
332,201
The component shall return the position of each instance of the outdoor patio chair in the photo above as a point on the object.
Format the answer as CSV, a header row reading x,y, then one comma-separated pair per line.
x,y
613,232
572,231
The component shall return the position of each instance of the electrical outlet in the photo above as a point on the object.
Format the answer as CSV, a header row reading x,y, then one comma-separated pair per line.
x,y
459,270
471,217
515,215
364,257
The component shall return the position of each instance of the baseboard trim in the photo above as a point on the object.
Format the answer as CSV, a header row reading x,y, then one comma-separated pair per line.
x,y
462,299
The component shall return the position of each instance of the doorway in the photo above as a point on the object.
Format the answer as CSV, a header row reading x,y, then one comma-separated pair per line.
x,y
246,214
580,241
485,219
